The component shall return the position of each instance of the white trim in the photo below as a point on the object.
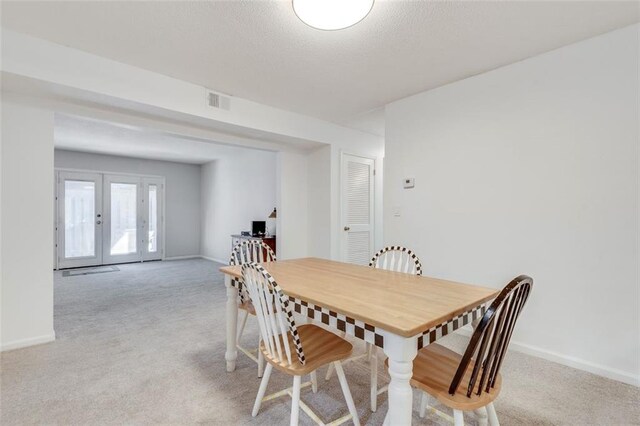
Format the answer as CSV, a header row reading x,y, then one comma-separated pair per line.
x,y
569,361
224,262
31,341
188,256
197,256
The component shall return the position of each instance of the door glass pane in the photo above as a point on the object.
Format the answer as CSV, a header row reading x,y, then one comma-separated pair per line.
x,y
79,218
153,219
123,218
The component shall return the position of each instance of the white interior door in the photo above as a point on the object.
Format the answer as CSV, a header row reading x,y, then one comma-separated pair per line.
x,y
357,206
123,219
79,219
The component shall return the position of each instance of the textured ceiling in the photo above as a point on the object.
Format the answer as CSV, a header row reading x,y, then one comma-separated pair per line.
x,y
88,135
259,50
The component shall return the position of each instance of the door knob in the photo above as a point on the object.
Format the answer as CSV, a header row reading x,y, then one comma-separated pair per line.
x,y
98,222
346,228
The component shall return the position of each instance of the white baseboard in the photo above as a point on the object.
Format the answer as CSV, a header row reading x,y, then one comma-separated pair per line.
x,y
224,262
190,256
197,256
23,343
569,361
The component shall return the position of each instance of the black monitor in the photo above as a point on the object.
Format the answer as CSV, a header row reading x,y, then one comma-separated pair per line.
x,y
258,228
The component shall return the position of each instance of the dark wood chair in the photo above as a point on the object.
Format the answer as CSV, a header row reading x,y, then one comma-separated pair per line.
x,y
472,381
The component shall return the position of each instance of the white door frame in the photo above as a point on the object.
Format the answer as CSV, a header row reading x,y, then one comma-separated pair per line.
x,y
96,259
345,227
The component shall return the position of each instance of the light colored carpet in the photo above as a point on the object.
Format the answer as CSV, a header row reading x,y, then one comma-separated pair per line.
x,y
146,345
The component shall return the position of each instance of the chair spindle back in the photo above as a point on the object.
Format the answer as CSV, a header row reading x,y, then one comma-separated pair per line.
x,y
251,251
246,252
491,338
275,317
397,259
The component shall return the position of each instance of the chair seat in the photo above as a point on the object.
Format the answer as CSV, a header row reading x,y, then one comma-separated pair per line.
x,y
321,347
434,369
247,306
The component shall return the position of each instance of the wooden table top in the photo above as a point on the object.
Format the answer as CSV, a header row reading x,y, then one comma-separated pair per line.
x,y
400,303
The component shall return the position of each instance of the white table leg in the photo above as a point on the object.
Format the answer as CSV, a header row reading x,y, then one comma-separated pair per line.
x,y
232,324
401,352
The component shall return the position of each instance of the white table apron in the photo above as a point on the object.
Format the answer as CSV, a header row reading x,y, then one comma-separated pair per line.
x,y
400,350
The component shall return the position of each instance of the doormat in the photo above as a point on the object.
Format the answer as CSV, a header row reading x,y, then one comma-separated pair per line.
x,y
89,271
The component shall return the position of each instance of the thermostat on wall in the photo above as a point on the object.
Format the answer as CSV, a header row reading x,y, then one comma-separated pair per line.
x,y
409,183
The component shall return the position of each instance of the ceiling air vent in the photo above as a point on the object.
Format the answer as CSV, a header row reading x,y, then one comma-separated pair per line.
x,y
218,101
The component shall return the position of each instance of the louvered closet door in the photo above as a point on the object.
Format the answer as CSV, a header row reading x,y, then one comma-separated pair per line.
x,y
357,209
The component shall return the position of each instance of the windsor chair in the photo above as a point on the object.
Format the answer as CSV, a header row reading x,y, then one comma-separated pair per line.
x,y
472,381
293,350
391,258
246,252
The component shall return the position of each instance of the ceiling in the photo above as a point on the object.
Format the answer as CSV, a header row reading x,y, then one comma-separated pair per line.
x,y
260,51
89,135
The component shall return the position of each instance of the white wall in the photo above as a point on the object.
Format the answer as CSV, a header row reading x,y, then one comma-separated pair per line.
x,y
533,168
27,228
235,190
319,202
182,192
293,208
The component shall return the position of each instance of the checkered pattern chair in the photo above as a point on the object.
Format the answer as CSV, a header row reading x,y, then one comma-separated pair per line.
x,y
246,252
398,259
391,258
293,350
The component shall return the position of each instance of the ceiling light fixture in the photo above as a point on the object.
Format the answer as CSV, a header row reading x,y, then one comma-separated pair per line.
x,y
332,14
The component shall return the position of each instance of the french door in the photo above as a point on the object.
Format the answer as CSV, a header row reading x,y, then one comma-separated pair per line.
x,y
357,208
79,219
106,219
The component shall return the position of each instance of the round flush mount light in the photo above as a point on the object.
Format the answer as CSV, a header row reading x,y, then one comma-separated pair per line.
x,y
332,14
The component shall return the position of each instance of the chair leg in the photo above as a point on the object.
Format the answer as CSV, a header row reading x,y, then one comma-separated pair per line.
x,y
242,325
347,393
330,369
314,381
260,359
424,402
458,418
295,398
493,417
329,372
370,349
482,416
262,390
373,365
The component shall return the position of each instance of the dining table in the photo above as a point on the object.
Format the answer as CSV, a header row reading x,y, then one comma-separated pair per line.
x,y
397,312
